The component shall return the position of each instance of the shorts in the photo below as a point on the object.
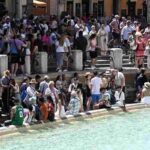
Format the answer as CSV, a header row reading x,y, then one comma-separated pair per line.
x,y
95,98
93,54
14,58
22,60
116,35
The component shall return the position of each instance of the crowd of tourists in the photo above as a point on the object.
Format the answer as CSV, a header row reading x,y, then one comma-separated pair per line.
x,y
58,37
41,99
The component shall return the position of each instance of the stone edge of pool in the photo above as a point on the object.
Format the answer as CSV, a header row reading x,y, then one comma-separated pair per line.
x,y
90,114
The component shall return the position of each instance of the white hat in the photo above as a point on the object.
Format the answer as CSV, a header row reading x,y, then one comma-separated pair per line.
x,y
116,16
138,34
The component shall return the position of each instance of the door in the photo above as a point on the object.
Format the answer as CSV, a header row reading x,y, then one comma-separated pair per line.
x,y
132,8
85,7
70,7
101,8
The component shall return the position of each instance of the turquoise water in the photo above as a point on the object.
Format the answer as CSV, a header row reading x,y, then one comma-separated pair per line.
x,y
130,131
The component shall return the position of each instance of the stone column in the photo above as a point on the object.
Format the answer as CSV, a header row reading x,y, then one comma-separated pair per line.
x,y
29,7
3,63
28,62
148,11
116,58
77,60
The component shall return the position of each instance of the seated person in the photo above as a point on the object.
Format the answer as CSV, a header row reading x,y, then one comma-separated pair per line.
x,y
145,96
30,116
104,102
74,104
17,113
51,108
120,97
43,109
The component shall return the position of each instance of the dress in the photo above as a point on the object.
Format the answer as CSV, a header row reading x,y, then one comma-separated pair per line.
x,y
140,48
102,40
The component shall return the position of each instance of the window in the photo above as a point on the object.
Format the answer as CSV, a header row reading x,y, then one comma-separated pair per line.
x,y
78,7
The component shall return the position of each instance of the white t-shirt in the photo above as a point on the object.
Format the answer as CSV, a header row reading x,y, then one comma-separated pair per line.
x,y
60,49
96,82
120,97
118,79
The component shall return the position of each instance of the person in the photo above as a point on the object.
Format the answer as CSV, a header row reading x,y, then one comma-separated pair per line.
x,y
145,95
102,40
74,105
125,35
43,85
119,79
53,92
31,92
92,44
14,89
43,109
51,108
140,80
147,53
120,96
15,47
17,114
88,90
115,27
139,53
61,47
104,101
30,117
5,83
95,88
38,81
61,106
81,44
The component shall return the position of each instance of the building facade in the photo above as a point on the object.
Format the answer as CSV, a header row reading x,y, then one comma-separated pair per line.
x,y
104,7
80,8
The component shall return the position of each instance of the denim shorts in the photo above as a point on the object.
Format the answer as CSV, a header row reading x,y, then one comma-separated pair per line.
x,y
95,98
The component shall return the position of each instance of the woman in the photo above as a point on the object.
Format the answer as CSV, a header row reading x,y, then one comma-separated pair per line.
x,y
145,96
61,106
88,90
53,92
92,44
102,40
147,53
61,47
14,89
139,53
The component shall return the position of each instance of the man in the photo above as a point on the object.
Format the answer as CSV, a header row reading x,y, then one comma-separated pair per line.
x,y
74,105
115,27
119,79
81,44
44,85
17,115
125,32
5,83
95,88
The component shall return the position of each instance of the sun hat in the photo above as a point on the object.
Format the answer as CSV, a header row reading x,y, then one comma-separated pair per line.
x,y
32,81
46,77
87,74
117,16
